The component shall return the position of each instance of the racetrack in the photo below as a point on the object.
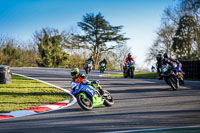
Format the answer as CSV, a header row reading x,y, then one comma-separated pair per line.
x,y
139,104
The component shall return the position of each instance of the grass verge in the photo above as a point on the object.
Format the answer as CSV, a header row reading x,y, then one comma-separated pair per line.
x,y
137,75
141,75
26,93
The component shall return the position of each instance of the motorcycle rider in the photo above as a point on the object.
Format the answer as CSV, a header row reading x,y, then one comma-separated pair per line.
x,y
103,61
128,59
90,59
172,60
78,78
161,61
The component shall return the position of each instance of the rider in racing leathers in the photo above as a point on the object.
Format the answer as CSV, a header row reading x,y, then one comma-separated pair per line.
x,y
103,61
128,59
90,59
172,60
160,62
78,78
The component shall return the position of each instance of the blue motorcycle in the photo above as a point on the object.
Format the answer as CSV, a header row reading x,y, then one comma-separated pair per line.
x,y
91,95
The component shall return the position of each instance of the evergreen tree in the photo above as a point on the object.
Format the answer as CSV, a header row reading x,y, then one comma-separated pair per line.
x,y
98,32
184,38
50,49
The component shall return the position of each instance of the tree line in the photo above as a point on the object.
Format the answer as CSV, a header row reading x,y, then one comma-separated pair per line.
x,y
66,49
179,33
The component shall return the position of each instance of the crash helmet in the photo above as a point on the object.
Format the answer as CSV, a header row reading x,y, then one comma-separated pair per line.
x,y
165,55
129,55
159,57
74,72
91,57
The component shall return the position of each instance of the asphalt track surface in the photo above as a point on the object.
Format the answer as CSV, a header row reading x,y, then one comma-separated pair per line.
x,y
139,105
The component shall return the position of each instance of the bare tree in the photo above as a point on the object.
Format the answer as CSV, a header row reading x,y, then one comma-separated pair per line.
x,y
163,42
173,16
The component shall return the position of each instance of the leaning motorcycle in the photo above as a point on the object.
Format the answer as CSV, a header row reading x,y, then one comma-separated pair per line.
x,y
170,77
91,95
88,67
129,69
180,75
102,67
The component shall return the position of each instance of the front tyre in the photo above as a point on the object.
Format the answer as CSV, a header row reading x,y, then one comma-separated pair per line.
x,y
86,70
108,99
84,101
131,73
174,83
181,81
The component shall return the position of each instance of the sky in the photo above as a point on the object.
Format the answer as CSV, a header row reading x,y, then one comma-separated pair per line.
x,y
141,19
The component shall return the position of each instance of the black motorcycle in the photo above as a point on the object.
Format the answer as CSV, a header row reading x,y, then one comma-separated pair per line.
x,y
170,77
102,67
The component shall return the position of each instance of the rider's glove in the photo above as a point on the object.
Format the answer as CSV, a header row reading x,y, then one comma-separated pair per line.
x,y
86,82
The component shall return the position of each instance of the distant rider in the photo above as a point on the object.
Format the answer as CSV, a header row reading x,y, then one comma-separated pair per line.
x,y
128,59
103,61
152,68
90,60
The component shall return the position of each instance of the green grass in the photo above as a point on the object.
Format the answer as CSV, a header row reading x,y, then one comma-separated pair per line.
x,y
137,75
25,93
141,75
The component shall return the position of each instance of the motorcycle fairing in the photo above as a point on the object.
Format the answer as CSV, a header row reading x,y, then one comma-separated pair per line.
x,y
83,88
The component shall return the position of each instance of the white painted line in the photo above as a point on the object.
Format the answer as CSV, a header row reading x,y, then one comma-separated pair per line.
x,y
153,129
65,101
52,107
73,98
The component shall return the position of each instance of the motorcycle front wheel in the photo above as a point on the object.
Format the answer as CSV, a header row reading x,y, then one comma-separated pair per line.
x,y
108,99
181,81
131,73
84,101
174,83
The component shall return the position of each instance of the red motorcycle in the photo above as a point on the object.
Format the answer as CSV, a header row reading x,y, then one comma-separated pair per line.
x,y
129,69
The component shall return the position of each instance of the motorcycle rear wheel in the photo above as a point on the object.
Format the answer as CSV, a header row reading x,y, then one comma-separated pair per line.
x,y
84,103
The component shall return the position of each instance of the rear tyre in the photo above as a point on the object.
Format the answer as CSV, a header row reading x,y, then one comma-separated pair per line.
x,y
84,103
